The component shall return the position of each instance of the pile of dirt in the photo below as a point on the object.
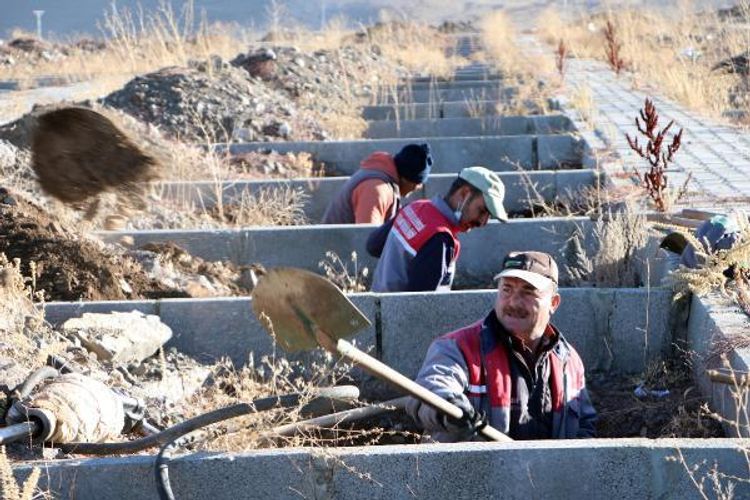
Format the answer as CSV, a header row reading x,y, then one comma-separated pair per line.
x,y
212,101
64,265
678,413
326,80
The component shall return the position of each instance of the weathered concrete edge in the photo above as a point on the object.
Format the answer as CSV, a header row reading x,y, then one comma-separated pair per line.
x,y
209,329
549,185
623,468
714,320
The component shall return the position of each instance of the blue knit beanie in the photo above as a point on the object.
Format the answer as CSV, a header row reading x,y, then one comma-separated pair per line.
x,y
414,162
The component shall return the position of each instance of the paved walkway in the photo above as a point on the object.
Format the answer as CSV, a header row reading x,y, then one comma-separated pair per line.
x,y
716,155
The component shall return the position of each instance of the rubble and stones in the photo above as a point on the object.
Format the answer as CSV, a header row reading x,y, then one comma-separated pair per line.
x,y
213,105
173,267
119,337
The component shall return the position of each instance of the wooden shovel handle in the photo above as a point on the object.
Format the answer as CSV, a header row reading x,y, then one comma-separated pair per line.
x,y
385,372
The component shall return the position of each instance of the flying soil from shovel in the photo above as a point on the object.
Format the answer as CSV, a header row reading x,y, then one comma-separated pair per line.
x,y
78,154
303,310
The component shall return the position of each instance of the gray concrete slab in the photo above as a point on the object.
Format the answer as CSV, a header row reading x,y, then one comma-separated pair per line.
x,y
434,95
445,85
470,127
469,75
461,109
626,469
715,325
306,246
613,330
319,191
502,153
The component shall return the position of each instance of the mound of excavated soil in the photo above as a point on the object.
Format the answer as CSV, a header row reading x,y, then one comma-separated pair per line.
x,y
68,267
214,102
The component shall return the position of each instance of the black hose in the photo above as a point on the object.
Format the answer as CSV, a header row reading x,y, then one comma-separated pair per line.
x,y
161,466
171,433
34,380
325,397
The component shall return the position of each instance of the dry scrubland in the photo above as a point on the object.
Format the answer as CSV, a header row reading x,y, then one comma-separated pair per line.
x,y
370,62
674,51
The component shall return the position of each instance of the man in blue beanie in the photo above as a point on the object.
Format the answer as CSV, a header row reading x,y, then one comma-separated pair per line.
x,y
373,194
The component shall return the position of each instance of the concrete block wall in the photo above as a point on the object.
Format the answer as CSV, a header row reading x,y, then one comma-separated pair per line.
x,y
481,252
469,127
614,330
626,469
320,191
713,322
431,110
503,153
444,85
436,95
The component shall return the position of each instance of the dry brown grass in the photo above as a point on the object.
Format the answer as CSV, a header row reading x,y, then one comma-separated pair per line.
x,y
620,239
670,50
354,279
418,47
9,488
710,276
139,42
519,69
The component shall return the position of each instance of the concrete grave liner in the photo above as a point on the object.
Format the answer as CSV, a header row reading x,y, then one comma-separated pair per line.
x,y
624,469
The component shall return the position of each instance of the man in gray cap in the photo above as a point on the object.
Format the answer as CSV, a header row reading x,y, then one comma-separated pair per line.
x,y
513,369
419,248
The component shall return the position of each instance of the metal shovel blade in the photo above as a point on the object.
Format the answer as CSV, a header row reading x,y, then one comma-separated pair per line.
x,y
291,302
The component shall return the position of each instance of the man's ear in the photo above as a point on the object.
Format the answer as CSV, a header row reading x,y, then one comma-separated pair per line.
x,y
555,302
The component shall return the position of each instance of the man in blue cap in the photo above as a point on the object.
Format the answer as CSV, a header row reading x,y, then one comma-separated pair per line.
x,y
373,194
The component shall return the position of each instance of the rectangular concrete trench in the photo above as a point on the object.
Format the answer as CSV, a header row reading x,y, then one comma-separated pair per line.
x,y
430,111
436,94
500,153
522,189
622,331
627,469
481,249
470,127
716,335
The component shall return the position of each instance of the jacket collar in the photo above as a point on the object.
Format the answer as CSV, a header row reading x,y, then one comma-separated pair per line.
x,y
493,332
445,209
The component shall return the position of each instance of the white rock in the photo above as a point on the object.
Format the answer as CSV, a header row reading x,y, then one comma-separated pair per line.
x,y
119,337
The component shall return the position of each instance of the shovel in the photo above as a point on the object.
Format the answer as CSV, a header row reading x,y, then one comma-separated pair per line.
x,y
303,310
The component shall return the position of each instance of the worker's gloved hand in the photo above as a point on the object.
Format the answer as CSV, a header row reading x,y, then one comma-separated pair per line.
x,y
470,422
